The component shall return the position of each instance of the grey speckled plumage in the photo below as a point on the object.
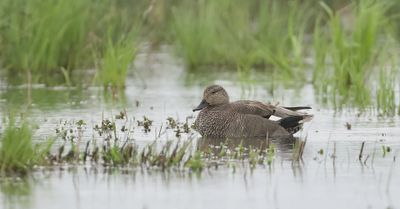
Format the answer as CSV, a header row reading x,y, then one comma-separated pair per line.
x,y
221,119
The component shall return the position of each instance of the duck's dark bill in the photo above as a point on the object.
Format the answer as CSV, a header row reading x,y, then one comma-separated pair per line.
x,y
201,106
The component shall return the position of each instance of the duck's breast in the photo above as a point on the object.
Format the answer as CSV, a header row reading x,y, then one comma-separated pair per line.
x,y
213,123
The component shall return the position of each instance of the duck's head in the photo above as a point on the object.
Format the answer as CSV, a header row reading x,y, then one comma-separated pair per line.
x,y
213,95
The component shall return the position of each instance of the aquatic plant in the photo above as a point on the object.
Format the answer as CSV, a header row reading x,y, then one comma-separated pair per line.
x,y
269,35
385,150
219,33
253,157
298,149
146,123
271,153
360,155
119,50
195,162
321,48
39,44
354,52
171,123
18,153
47,40
385,90
115,63
16,149
110,149
195,27
282,27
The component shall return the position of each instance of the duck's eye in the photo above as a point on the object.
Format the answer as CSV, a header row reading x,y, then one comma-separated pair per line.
x,y
214,92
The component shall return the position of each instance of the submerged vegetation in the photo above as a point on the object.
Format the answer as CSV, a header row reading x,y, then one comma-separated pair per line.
x,y
344,44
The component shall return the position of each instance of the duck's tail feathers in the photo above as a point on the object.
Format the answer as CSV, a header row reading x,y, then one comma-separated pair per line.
x,y
291,121
294,123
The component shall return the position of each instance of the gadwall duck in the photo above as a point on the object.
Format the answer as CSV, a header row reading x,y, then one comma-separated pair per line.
x,y
219,118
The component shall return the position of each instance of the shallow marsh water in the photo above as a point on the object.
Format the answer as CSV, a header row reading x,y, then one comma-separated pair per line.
x,y
160,88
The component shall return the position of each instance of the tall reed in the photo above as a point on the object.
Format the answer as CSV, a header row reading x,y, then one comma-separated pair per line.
x,y
282,27
42,37
255,34
385,91
354,52
117,51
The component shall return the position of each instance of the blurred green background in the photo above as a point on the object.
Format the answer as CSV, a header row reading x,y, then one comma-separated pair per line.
x,y
346,49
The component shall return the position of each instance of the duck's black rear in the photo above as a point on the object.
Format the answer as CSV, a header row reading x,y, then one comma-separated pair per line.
x,y
292,123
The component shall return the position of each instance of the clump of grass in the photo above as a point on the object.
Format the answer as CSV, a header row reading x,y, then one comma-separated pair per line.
x,y
195,32
119,49
280,35
18,153
195,162
17,150
354,53
115,63
49,39
112,155
385,93
320,46
256,34
33,38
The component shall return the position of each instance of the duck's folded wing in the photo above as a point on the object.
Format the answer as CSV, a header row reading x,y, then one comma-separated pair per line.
x,y
252,108
266,110
282,112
